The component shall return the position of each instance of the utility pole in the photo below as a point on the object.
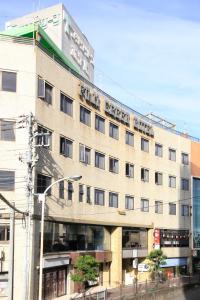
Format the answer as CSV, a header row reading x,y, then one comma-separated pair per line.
x,y
11,254
29,227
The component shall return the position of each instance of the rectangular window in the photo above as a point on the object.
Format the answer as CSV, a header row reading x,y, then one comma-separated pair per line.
x,y
172,181
61,189
84,154
7,131
158,178
88,195
7,180
185,158
81,192
70,190
8,81
185,210
144,174
45,91
158,150
129,202
99,197
85,116
66,104
4,233
144,205
172,154
99,160
158,207
44,137
43,182
144,145
66,147
113,165
113,199
114,131
129,138
129,172
185,184
99,123
172,208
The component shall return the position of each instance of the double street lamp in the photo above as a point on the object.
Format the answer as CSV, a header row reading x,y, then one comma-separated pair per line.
x,y
42,198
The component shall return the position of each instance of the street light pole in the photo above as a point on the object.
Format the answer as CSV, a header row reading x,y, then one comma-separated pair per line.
x,y
42,198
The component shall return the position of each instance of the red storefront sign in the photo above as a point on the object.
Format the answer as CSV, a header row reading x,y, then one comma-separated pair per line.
x,y
157,238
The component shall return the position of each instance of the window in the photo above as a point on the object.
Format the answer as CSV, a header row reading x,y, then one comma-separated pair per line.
x,y
144,145
144,205
113,165
114,131
85,116
66,147
129,202
45,91
8,81
144,174
185,184
81,192
4,233
185,210
158,207
98,197
88,195
129,138
66,104
172,208
172,154
70,190
7,132
113,200
7,180
158,150
185,158
43,182
158,178
99,124
84,154
61,189
172,181
129,172
44,137
99,160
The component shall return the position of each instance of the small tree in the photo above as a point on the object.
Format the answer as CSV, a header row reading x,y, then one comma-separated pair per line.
x,y
157,258
86,270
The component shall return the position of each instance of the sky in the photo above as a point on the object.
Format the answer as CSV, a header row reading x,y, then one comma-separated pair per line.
x,y
147,52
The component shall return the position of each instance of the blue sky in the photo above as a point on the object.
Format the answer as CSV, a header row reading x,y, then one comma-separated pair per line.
x,y
147,52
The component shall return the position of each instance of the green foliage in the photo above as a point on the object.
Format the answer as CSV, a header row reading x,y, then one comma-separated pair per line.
x,y
86,269
157,258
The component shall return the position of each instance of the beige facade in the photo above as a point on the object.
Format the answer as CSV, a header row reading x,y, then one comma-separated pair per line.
x,y
30,63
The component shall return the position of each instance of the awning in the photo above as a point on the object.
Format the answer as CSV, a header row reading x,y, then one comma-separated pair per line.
x,y
173,262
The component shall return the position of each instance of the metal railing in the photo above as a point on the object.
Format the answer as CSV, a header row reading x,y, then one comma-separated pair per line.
x,y
32,41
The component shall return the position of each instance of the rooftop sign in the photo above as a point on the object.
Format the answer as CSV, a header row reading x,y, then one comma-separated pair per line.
x,y
117,113
90,96
143,127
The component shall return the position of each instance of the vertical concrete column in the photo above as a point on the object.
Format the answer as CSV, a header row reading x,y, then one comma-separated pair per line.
x,y
150,239
116,264
106,270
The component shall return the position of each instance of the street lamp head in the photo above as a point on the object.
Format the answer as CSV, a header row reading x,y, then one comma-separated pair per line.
x,y
75,177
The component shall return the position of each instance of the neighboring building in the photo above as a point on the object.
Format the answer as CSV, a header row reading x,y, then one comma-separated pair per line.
x,y
64,32
135,191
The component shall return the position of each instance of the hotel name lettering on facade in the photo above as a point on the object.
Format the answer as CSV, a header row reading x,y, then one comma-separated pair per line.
x,y
143,127
117,113
89,96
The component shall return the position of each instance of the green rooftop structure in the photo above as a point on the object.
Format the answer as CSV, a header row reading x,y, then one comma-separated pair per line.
x,y
36,32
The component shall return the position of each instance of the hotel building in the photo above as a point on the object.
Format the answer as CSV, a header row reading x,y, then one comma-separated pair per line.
x,y
135,190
